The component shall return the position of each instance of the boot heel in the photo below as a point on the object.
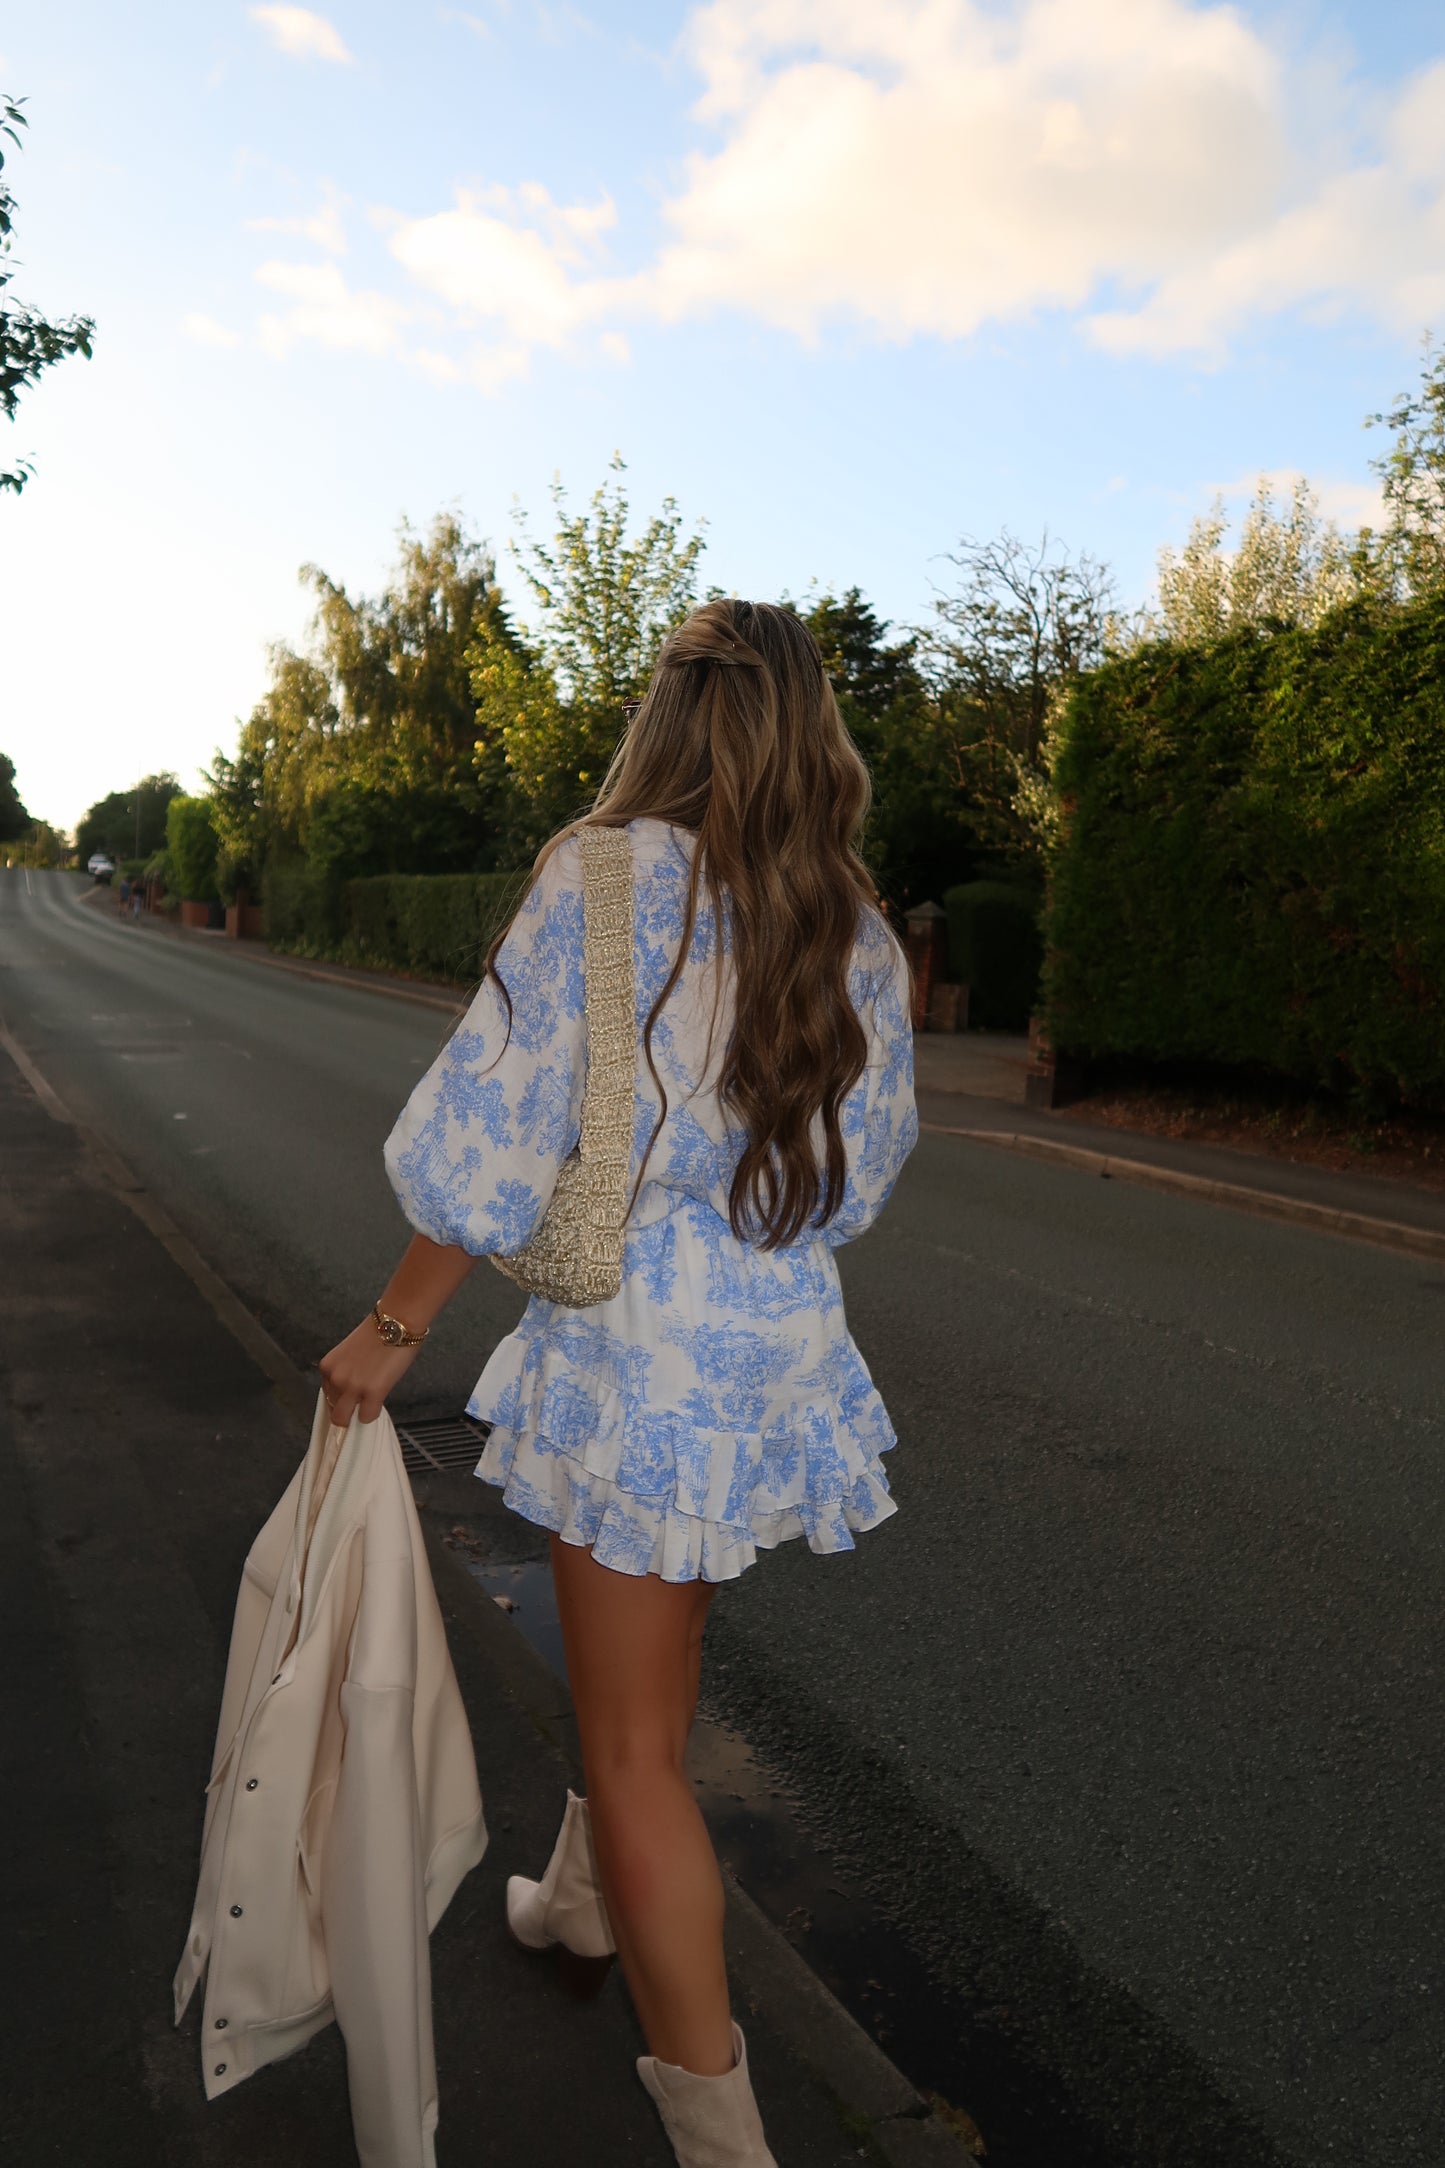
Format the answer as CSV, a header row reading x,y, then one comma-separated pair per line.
x,y
583,1977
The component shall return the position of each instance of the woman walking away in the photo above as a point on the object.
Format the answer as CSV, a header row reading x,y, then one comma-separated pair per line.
x,y
715,1403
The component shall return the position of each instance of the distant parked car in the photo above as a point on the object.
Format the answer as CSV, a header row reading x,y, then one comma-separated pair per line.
x,y
100,866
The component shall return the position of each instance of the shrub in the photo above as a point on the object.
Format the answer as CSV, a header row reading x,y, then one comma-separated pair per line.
x,y
302,909
996,948
191,848
1251,864
436,925
439,925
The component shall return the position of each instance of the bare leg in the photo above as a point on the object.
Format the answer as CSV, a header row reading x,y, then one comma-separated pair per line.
x,y
633,1649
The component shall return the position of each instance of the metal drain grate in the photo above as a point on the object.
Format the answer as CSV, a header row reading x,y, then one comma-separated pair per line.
x,y
439,1443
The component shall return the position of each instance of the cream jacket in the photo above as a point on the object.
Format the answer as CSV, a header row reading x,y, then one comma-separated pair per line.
x,y
343,1807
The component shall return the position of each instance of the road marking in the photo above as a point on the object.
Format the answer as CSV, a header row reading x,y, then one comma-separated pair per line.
x,y
1385,1234
50,1100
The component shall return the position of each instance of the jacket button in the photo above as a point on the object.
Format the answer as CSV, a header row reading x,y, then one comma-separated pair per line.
x,y
251,1783
235,1912
221,2024
220,2070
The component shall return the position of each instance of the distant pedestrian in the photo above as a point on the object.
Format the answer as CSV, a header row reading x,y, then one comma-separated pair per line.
x,y
715,1404
124,895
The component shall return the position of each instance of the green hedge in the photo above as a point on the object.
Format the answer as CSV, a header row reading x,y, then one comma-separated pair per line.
x,y
437,925
302,910
191,846
996,948
1252,861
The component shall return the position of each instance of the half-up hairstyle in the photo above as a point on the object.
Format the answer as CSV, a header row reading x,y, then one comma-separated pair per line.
x,y
740,740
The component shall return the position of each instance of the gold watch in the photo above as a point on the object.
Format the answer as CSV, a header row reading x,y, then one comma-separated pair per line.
x,y
392,1330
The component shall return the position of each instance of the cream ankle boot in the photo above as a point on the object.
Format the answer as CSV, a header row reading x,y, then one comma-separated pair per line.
x,y
712,2122
564,1911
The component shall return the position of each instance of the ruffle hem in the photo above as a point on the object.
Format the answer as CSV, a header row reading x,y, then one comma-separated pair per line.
x,y
652,1490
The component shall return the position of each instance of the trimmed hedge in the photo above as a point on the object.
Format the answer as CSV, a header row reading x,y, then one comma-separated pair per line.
x,y
439,925
996,948
302,910
1251,868
436,925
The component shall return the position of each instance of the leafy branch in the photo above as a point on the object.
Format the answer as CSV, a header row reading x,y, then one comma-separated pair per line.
x,y
29,342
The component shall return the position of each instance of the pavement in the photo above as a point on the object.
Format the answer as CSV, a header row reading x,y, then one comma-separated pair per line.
x,y
147,1425
971,1084
1119,1745
978,1064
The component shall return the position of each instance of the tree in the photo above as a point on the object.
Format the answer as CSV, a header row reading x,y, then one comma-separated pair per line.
x,y
1025,621
29,343
238,815
191,844
914,841
1289,568
41,845
360,752
124,828
14,820
397,664
549,708
1409,553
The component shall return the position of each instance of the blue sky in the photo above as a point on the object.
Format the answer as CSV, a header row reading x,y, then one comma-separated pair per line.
x,y
848,280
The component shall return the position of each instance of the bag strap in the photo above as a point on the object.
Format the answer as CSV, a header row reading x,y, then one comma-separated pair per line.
x,y
606,1140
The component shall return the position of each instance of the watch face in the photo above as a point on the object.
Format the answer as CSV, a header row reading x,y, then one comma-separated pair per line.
x,y
391,1331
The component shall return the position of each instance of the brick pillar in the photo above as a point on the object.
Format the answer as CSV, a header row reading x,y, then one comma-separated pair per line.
x,y
927,945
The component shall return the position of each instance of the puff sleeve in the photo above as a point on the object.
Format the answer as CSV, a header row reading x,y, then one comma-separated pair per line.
x,y
474,1155
878,1118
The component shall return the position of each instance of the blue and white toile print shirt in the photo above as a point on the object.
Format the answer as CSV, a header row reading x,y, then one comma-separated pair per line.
x,y
717,1402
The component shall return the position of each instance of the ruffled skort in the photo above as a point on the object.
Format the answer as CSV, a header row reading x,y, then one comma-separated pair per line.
x,y
681,1436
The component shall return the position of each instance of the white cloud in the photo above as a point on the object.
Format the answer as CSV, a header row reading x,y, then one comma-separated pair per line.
x,y
489,368
326,309
486,368
934,165
207,332
512,256
1151,168
1349,504
1369,239
301,34
323,227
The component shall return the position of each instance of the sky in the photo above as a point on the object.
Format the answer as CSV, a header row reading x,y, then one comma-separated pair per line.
x,y
849,279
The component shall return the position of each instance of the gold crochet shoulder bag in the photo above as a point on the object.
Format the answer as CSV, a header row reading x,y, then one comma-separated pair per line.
x,y
575,1257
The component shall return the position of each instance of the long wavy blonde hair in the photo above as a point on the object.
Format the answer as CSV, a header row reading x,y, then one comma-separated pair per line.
x,y
739,739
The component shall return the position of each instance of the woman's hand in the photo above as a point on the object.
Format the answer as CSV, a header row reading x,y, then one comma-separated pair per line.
x,y
361,1371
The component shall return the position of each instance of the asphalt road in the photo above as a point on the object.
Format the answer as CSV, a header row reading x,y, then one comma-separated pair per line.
x,y
1131,1718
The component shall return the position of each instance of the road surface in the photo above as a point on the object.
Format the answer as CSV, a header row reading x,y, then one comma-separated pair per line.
x,y
1131,1718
